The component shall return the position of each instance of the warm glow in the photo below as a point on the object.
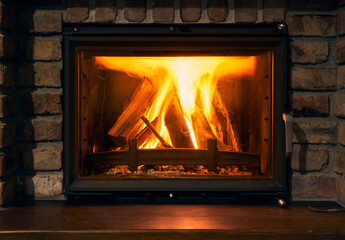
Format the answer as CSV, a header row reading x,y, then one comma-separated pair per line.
x,y
186,87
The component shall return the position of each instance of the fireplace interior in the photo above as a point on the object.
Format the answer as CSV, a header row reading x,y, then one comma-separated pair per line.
x,y
179,104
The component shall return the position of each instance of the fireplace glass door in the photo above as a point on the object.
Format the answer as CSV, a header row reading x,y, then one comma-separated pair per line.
x,y
154,110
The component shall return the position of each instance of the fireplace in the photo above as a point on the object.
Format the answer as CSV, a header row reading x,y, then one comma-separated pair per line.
x,y
175,108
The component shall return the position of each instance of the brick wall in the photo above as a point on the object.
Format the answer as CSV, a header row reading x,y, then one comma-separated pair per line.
x,y
31,60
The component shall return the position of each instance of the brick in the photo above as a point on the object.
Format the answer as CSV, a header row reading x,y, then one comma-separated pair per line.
x,y
341,3
339,162
341,189
274,11
7,134
8,162
246,11
163,11
7,47
310,105
341,133
7,105
303,51
313,79
190,10
7,16
217,10
6,75
312,4
43,157
8,191
43,48
42,103
40,3
313,186
41,21
341,76
43,184
315,132
40,75
306,160
341,23
77,11
135,11
105,11
340,104
312,26
340,49
41,129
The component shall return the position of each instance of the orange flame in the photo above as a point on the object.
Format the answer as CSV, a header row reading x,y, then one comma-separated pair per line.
x,y
194,79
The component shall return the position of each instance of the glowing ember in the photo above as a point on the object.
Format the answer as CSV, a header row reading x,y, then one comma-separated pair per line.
x,y
182,93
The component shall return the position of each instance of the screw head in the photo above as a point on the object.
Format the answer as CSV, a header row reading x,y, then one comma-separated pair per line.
x,y
171,195
281,26
75,29
281,202
171,29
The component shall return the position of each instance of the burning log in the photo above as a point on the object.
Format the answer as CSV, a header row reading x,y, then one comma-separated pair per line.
x,y
153,130
136,107
176,125
199,121
146,132
226,130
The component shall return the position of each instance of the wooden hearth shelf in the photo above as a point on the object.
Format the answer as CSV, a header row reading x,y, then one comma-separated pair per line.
x,y
78,220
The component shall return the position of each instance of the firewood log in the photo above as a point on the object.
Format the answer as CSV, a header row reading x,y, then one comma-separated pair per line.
x,y
140,101
176,125
222,123
145,133
203,130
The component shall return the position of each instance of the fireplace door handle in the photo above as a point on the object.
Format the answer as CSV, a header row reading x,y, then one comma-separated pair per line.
x,y
288,133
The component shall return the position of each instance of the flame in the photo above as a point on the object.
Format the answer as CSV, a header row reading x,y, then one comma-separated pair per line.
x,y
193,79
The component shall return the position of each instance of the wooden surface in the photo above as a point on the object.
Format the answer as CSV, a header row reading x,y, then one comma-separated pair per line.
x,y
64,220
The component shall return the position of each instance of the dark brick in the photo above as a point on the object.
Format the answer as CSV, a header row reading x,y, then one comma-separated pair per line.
x,y
105,10
7,190
274,11
313,79
7,134
340,51
312,26
8,162
43,184
341,133
163,10
42,103
309,5
246,11
41,21
7,75
77,11
135,11
310,105
340,104
218,10
341,189
40,75
306,160
314,132
190,10
43,157
313,186
41,3
341,3
7,16
43,48
7,105
341,23
7,47
341,76
303,51
339,164
41,129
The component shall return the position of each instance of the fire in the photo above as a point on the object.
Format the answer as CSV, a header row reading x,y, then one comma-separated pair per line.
x,y
179,95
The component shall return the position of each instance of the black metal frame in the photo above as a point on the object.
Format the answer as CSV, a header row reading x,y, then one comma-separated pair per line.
x,y
198,39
